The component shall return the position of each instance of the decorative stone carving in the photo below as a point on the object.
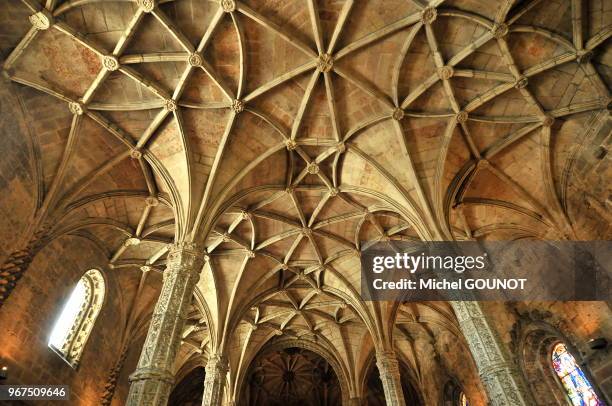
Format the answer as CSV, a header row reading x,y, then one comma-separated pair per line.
x,y
251,254
19,261
398,114
325,63
170,105
500,376
429,15
388,366
146,5
245,215
446,72
521,82
237,106
41,20
76,108
228,5
135,153
500,30
195,60
313,168
132,241
110,63
152,381
482,164
341,147
548,120
306,231
462,117
334,191
113,376
291,145
214,381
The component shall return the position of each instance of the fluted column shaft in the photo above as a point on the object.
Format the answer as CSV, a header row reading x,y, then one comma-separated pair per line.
x,y
503,382
214,381
153,379
388,367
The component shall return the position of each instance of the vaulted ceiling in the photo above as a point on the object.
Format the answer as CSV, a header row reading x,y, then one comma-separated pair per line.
x,y
282,135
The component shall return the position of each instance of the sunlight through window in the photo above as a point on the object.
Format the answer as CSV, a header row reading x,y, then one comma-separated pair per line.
x,y
68,317
78,316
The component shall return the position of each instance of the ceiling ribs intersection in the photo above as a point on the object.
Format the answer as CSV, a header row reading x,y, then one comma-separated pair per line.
x,y
431,218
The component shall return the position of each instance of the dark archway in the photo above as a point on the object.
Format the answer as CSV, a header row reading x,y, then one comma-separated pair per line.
x,y
375,395
189,391
291,377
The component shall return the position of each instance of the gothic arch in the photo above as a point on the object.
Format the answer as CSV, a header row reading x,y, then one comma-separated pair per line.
x,y
535,345
315,347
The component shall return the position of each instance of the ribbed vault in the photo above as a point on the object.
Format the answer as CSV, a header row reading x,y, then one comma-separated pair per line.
x,y
283,136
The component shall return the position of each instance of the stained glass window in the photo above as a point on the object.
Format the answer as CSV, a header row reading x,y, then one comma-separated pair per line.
x,y
463,400
577,386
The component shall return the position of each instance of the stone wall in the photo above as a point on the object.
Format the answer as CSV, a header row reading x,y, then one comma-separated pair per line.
x,y
27,319
578,322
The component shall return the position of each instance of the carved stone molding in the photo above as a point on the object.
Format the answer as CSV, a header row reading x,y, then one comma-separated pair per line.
x,y
500,375
388,367
216,373
152,381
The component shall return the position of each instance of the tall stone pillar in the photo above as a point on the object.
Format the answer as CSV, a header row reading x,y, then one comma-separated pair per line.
x,y
153,379
503,382
388,367
214,381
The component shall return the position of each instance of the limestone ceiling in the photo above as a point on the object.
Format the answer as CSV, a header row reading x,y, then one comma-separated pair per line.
x,y
284,134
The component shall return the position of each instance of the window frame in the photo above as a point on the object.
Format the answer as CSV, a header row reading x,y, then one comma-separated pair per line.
x,y
581,365
83,324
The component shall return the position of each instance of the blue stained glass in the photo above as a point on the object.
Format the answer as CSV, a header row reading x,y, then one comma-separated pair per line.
x,y
577,386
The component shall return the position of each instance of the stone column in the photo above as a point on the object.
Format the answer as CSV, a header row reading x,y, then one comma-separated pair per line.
x,y
388,367
502,380
153,379
214,381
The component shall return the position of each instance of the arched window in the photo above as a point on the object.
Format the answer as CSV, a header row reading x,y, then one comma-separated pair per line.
x,y
72,328
463,400
577,386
